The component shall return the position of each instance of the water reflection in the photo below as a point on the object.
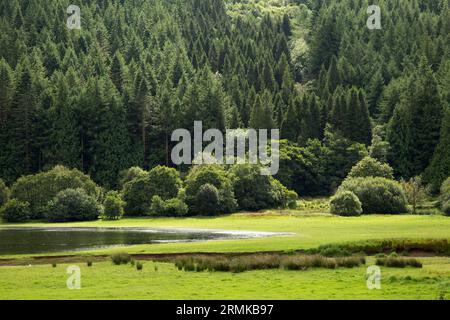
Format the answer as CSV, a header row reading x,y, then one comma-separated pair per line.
x,y
48,240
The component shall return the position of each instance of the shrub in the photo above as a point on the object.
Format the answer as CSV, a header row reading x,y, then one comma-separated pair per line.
x,y
216,176
171,207
263,261
40,188
4,193
89,263
445,190
131,174
113,206
345,203
15,211
138,193
372,247
282,196
445,197
139,266
377,195
334,252
207,200
120,258
446,208
255,191
73,205
394,262
370,167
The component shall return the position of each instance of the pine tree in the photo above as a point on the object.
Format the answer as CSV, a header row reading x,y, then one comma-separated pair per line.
x,y
439,168
286,25
235,120
21,126
291,124
256,121
414,130
374,92
333,76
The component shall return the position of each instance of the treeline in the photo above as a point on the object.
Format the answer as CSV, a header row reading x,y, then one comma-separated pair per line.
x,y
107,97
63,194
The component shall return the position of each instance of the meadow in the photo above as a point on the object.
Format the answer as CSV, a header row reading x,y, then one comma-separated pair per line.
x,y
162,280
104,280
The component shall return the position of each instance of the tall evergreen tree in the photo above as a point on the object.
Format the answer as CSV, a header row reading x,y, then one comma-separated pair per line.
x,y
414,129
439,168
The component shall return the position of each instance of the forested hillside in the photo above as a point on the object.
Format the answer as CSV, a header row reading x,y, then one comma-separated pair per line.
x,y
108,96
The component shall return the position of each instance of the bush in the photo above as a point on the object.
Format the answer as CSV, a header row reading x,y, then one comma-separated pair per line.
x,y
4,193
283,197
113,206
395,262
370,167
131,174
73,205
263,261
41,188
172,207
120,258
138,193
216,176
445,190
377,195
446,208
255,191
345,203
372,247
15,211
139,266
207,200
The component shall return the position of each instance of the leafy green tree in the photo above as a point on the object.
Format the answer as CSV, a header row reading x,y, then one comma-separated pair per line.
x,y
370,167
216,176
113,206
73,205
15,211
377,195
160,181
345,203
4,193
41,188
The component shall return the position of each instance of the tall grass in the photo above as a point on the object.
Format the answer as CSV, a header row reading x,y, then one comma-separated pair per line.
x,y
394,262
372,247
264,261
120,258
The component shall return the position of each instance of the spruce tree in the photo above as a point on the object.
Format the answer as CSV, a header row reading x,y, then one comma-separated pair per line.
x,y
414,130
439,168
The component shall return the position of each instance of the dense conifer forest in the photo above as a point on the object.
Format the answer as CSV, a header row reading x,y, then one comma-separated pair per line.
x,y
108,96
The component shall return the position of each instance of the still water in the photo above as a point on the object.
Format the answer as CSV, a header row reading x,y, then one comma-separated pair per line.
x,y
48,240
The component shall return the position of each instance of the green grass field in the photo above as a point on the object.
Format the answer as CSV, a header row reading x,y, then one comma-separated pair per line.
x,y
106,281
